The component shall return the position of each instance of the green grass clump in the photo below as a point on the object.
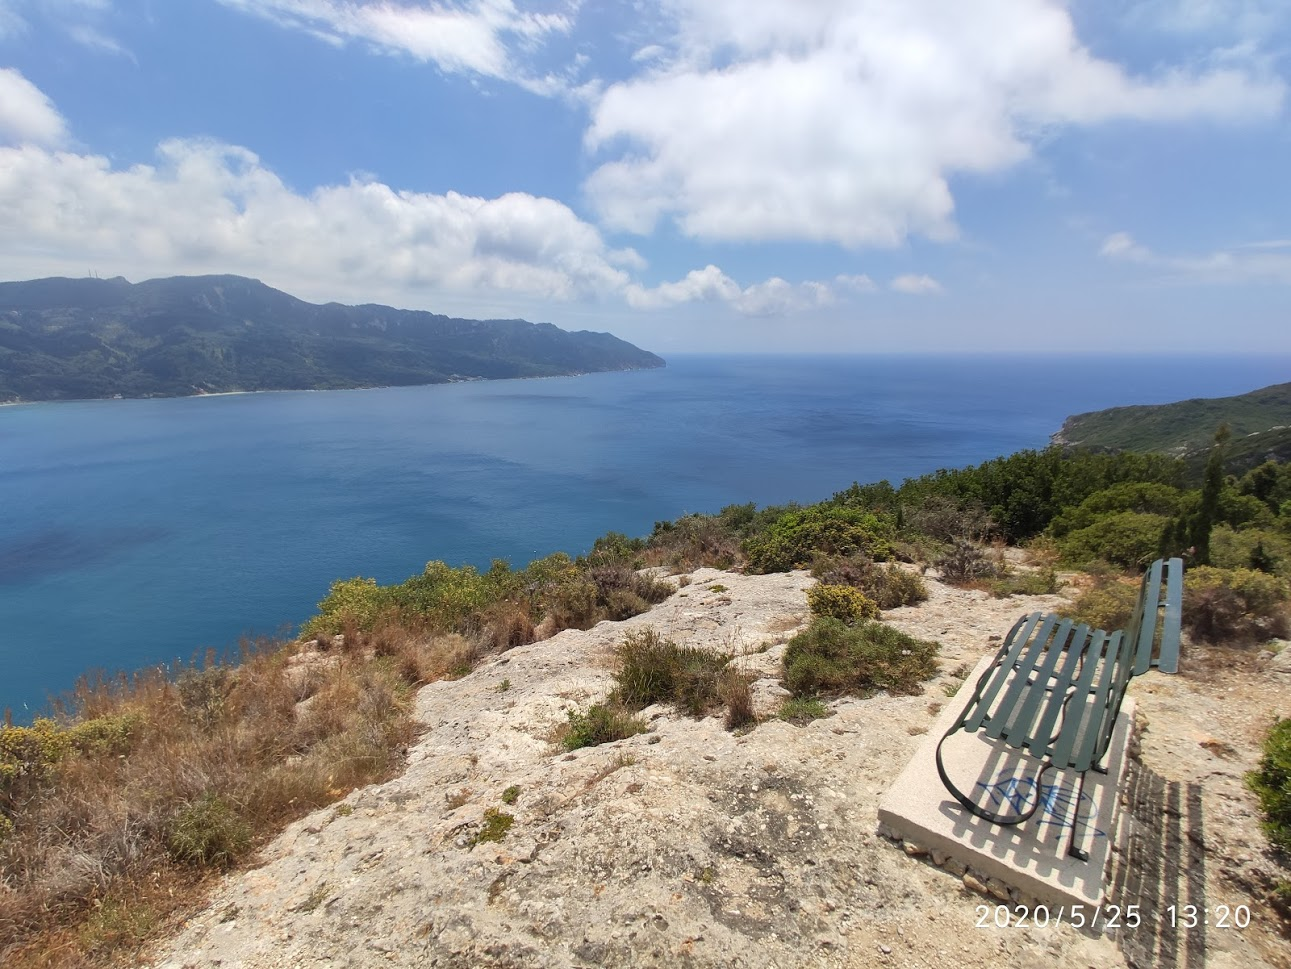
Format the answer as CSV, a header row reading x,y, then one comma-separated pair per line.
x,y
657,670
601,724
1042,583
801,710
208,831
496,825
829,657
841,602
511,794
1271,782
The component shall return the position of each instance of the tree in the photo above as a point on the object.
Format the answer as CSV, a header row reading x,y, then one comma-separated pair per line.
x,y
1211,487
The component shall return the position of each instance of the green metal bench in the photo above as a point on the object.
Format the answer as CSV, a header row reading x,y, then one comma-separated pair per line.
x,y
1056,686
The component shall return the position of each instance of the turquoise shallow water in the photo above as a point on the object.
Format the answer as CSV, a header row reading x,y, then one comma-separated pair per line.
x,y
138,532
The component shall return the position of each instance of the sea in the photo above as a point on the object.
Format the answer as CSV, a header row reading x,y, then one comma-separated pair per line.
x,y
136,533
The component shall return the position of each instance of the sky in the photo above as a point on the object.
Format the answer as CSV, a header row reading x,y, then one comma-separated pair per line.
x,y
692,175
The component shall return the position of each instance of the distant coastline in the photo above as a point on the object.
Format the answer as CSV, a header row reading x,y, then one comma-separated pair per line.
x,y
94,339
317,390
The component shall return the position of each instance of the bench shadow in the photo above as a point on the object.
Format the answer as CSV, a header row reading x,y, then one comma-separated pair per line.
x,y
1161,863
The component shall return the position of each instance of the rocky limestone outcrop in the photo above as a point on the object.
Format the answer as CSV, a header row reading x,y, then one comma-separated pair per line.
x,y
686,846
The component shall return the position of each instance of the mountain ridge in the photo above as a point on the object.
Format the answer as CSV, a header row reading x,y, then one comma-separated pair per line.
x,y
1259,422
90,338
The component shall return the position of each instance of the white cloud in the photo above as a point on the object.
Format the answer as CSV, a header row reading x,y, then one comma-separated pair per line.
x,y
95,39
771,297
844,120
1253,262
208,207
27,116
915,285
860,283
212,207
476,37
1121,245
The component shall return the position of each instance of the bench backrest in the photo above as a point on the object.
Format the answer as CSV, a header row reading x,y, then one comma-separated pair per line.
x,y
1159,610
1150,640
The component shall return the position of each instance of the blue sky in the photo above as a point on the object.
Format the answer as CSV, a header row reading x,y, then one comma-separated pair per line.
x,y
690,174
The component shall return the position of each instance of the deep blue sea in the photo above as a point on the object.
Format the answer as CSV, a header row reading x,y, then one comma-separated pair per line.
x,y
135,532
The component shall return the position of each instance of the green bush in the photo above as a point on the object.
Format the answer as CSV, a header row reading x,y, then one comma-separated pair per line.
x,y
656,670
841,602
794,539
1239,605
1129,539
1251,548
601,724
1108,606
830,657
1138,496
1271,782
208,832
889,586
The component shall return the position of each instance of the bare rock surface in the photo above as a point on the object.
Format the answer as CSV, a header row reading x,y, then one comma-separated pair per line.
x,y
692,845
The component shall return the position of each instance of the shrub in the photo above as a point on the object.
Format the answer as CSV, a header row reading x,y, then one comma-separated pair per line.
x,y
601,724
889,586
511,794
948,519
208,831
965,563
1137,496
1240,605
1251,548
830,657
841,602
796,536
894,587
359,600
693,541
1271,782
1129,539
1108,605
656,670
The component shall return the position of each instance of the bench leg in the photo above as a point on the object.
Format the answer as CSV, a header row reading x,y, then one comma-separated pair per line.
x,y
1080,854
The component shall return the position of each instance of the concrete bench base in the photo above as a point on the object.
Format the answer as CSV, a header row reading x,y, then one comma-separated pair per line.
x,y
1029,857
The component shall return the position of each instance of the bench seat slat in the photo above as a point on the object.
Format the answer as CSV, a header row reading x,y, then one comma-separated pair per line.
x,y
1019,702
1094,663
1038,698
1016,641
1073,655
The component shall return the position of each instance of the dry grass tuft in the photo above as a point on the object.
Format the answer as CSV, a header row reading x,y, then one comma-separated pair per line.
x,y
116,814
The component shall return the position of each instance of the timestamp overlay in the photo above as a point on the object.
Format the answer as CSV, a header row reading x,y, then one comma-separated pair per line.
x,y
1156,905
